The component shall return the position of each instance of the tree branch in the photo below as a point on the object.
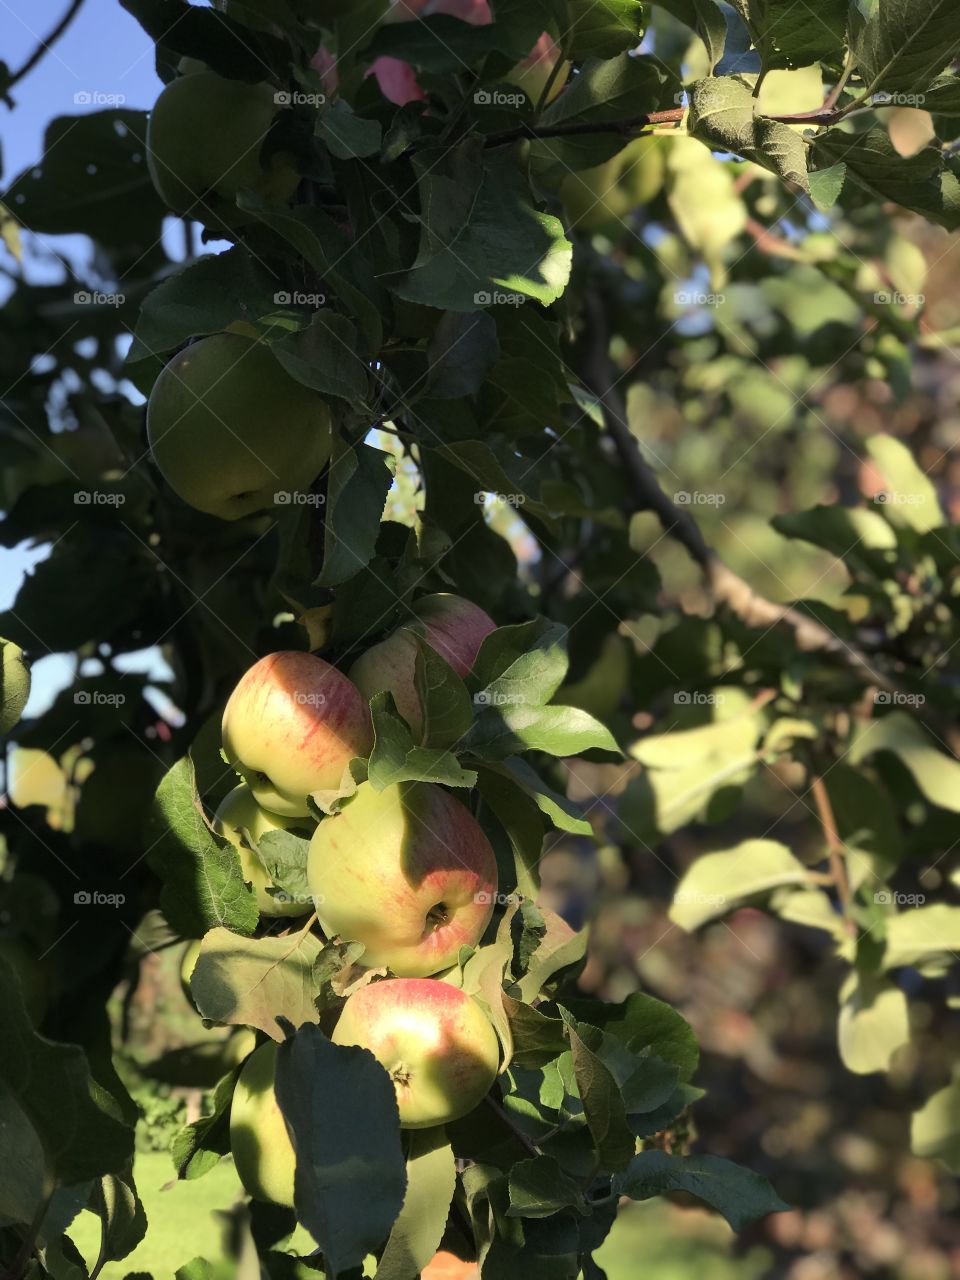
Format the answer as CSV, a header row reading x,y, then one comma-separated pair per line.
x,y
43,47
836,849
728,588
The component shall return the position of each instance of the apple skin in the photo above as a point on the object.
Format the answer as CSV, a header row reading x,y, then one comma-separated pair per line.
x,y
406,871
204,138
435,1042
228,427
14,685
291,727
261,1146
238,812
454,627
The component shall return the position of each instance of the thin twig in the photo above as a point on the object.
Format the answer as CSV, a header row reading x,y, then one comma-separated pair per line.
x,y
44,46
836,850
521,1137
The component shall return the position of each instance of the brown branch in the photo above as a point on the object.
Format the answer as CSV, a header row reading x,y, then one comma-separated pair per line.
x,y
727,587
836,849
43,47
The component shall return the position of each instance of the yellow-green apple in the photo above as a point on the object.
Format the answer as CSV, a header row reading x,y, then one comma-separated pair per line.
x,y
433,1040
408,872
204,139
14,685
291,727
188,962
261,1146
596,198
239,812
454,627
231,431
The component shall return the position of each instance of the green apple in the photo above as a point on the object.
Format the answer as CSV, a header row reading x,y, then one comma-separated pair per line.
x,y
434,1041
408,872
597,198
230,430
291,727
454,627
261,1146
240,812
14,685
204,139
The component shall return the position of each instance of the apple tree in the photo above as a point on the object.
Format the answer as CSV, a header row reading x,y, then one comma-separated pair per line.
x,y
420,468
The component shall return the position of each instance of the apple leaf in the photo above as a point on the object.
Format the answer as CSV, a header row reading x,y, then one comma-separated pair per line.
x,y
559,948
537,1038
718,882
599,1091
602,28
68,1123
927,938
253,981
439,43
461,351
348,135
873,1024
643,1023
936,774
431,1179
902,45
323,356
359,478
115,1200
539,1188
523,824
341,1110
394,757
706,18
444,701
197,1147
526,663
738,1194
203,885
786,35
563,813
284,858
502,730
723,115
935,1128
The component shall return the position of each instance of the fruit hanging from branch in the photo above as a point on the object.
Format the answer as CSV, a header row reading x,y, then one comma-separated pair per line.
x,y
291,727
433,1040
229,429
239,812
406,871
262,1151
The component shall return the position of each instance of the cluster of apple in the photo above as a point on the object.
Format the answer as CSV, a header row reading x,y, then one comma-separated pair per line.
x,y
407,872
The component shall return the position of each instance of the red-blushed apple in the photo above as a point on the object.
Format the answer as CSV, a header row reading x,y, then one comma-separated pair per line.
x,y
408,872
239,812
291,727
433,1040
261,1146
452,626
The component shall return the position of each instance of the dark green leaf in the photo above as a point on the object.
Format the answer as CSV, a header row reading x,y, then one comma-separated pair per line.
x,y
358,481
739,1195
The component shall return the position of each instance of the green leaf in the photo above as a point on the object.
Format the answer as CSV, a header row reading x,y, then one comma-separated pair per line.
x,y
705,18
739,1195
563,813
911,497
942,98
603,1105
936,774
358,481
826,184
462,350
351,1174
788,35
873,1024
477,460
324,357
254,981
935,1128
47,1098
925,937
416,1234
876,169
854,535
491,249
438,43
525,663
561,731
643,1023
539,1188
558,949
203,884
199,1146
719,882
900,45
537,1038
523,824
722,114
602,28
395,758
444,700
14,685
123,1221
348,136
284,857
